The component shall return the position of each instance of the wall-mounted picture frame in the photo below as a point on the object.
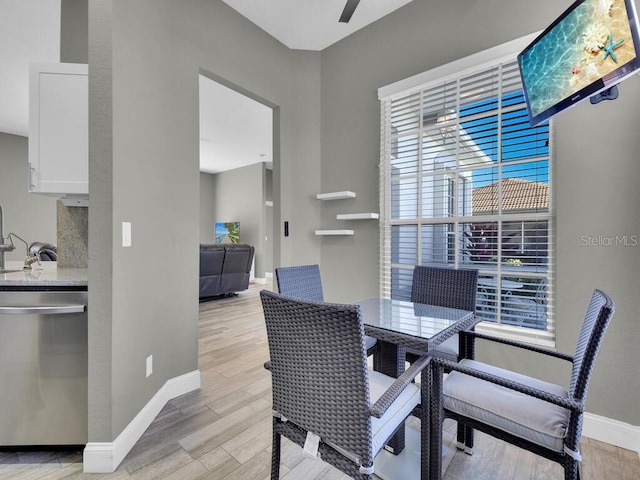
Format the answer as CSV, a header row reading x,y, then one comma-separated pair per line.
x,y
227,232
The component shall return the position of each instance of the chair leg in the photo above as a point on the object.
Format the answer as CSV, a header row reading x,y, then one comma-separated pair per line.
x,y
275,452
464,439
376,359
425,423
468,440
435,417
571,471
466,348
460,437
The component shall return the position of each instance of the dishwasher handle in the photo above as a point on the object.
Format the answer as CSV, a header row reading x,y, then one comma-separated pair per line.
x,y
42,309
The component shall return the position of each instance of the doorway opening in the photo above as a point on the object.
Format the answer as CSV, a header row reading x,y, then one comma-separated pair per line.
x,y
239,146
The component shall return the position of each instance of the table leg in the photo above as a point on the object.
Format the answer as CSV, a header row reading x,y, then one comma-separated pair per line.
x,y
467,347
435,420
390,361
425,433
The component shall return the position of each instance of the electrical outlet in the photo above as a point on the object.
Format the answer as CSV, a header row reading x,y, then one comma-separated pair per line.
x,y
149,365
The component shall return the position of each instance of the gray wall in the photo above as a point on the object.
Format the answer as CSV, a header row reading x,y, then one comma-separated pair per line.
x,y
33,217
269,232
105,419
597,176
74,31
207,207
236,196
597,196
144,62
240,198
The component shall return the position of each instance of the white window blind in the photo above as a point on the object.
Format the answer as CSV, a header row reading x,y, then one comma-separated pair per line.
x,y
466,183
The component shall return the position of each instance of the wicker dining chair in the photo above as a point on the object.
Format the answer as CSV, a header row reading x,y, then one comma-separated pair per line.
x,y
445,287
321,385
304,281
300,281
538,416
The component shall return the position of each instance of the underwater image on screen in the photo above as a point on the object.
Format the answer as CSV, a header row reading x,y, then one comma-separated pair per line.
x,y
588,44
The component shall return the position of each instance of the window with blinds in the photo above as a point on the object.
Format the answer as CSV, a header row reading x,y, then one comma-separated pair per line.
x,y
465,183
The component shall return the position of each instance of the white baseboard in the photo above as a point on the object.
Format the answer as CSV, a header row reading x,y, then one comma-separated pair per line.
x,y
620,434
104,457
259,280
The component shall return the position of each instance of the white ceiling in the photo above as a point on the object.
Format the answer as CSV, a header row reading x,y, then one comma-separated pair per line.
x,y
311,24
235,131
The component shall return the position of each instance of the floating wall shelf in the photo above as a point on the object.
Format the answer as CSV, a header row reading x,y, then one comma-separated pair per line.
x,y
336,195
334,232
357,216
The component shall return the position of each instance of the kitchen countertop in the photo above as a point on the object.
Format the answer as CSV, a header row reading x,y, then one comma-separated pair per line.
x,y
44,275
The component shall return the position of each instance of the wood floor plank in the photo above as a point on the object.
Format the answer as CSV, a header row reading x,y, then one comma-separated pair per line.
x,y
163,467
79,475
27,472
140,457
233,401
206,439
308,468
193,470
258,467
259,387
250,442
206,395
334,474
218,460
68,472
602,460
239,365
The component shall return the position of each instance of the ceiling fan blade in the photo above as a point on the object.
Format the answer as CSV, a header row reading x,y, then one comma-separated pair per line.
x,y
349,8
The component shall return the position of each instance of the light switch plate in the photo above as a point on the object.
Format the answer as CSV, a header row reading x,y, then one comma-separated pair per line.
x,y
126,234
149,365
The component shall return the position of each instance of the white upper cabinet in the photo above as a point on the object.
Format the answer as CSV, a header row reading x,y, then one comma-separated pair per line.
x,y
59,131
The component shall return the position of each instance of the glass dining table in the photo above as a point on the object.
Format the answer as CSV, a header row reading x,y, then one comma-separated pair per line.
x,y
400,326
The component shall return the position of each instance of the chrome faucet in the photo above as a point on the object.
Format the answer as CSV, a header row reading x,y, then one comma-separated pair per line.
x,y
30,259
4,247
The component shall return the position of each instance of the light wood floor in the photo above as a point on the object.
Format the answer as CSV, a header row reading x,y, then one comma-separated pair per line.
x,y
223,431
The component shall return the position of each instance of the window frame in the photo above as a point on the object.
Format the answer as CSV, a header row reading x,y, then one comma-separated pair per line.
x,y
450,72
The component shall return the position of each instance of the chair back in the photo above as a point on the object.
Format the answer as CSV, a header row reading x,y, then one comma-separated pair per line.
x,y
445,287
302,281
319,370
594,326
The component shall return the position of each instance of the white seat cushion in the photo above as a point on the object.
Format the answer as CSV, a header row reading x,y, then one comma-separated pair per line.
x,y
369,341
382,428
448,349
538,421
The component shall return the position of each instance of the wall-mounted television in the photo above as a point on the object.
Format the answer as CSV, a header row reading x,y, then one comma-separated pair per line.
x,y
584,53
227,232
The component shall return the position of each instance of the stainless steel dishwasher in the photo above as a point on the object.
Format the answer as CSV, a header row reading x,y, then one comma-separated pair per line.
x,y
43,365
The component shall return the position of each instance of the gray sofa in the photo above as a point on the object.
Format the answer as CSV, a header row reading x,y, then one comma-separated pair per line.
x,y
224,268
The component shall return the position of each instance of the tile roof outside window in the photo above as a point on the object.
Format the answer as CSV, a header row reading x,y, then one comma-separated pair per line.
x,y
517,195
